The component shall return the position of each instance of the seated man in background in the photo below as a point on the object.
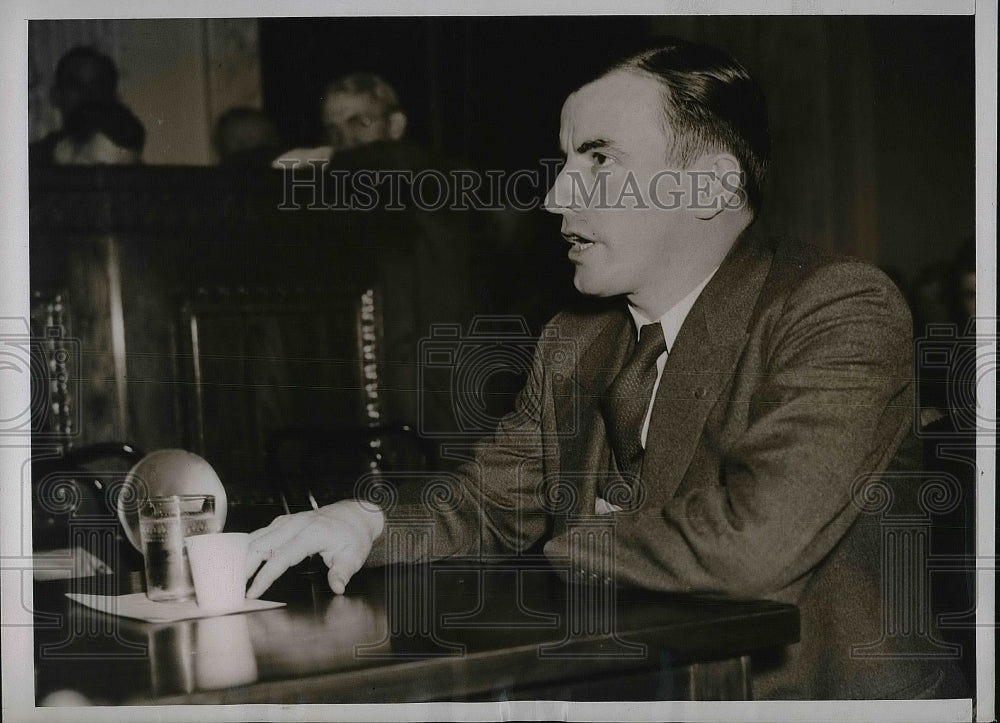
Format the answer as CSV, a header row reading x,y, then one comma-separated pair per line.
x,y
720,416
357,109
83,75
429,269
426,270
101,133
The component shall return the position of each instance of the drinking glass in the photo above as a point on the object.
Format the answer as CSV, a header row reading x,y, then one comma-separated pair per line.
x,y
164,522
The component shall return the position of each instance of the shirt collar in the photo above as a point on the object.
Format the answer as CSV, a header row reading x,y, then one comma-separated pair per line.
x,y
674,317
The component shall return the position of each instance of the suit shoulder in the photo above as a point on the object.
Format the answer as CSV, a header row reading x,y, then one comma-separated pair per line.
x,y
802,271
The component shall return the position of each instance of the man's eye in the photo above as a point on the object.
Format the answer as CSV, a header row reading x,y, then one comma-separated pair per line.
x,y
600,159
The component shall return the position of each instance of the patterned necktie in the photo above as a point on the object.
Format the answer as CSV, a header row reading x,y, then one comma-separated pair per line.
x,y
627,399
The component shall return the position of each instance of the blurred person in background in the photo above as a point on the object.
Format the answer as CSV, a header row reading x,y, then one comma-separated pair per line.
x,y
427,271
101,133
83,75
359,109
435,265
356,110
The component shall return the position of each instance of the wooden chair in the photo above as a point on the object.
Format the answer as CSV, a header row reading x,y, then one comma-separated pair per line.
x,y
281,394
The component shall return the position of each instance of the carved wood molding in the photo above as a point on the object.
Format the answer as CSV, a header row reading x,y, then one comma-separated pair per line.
x,y
202,201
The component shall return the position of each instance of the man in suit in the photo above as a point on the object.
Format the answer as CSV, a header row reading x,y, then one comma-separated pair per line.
x,y
720,416
357,110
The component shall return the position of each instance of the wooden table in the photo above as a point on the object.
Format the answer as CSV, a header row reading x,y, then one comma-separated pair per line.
x,y
447,631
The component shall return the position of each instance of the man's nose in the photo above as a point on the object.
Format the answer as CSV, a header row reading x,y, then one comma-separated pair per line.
x,y
559,198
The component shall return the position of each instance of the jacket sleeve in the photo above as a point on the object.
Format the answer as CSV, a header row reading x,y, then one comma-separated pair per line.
x,y
492,504
833,403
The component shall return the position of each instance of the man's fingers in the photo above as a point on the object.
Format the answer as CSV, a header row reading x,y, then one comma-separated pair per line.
x,y
337,532
265,541
257,548
259,552
308,540
255,556
343,565
336,581
272,570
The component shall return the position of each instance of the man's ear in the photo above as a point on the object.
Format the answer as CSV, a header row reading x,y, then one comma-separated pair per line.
x,y
722,188
397,125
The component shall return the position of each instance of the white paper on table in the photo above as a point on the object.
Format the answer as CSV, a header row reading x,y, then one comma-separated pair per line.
x,y
138,606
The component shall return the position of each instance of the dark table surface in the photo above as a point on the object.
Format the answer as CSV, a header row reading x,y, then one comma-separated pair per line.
x,y
450,631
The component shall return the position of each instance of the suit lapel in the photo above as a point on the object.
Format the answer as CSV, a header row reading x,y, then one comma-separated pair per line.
x,y
700,365
698,369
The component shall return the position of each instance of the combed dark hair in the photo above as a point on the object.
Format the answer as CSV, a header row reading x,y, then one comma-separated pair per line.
x,y
111,118
710,103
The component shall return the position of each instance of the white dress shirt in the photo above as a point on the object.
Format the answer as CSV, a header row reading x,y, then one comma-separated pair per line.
x,y
671,322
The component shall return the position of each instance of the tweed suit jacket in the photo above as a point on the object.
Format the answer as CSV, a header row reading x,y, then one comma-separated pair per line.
x,y
788,386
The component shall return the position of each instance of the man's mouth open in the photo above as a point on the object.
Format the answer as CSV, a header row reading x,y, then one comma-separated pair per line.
x,y
578,244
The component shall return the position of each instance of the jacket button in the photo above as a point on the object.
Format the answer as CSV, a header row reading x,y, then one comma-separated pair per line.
x,y
700,392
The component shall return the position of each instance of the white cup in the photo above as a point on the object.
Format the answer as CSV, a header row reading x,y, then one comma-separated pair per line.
x,y
218,566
